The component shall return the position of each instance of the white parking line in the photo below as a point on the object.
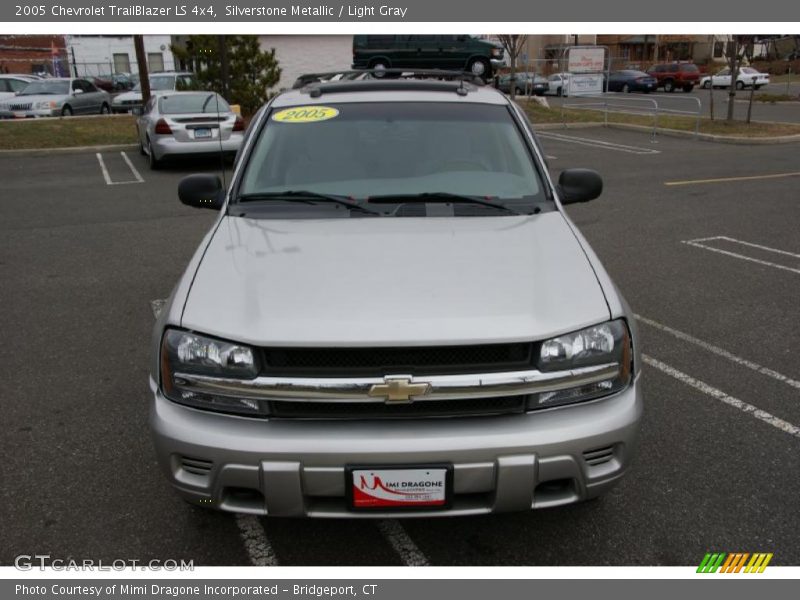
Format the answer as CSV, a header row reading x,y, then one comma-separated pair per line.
x,y
597,143
402,544
723,397
698,243
721,352
107,177
133,169
255,541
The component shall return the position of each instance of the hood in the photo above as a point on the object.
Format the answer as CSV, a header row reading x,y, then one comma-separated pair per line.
x,y
128,96
395,281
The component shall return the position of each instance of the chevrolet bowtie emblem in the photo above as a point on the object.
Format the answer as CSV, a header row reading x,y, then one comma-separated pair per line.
x,y
398,390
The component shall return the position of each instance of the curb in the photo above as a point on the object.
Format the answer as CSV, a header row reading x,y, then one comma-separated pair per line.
x,y
73,150
705,137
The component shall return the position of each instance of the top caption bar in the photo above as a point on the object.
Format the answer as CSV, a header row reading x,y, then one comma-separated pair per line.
x,y
412,11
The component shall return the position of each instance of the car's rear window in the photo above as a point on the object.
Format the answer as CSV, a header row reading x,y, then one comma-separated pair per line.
x,y
205,102
386,148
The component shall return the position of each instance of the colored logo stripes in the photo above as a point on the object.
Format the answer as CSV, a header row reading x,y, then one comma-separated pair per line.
x,y
734,562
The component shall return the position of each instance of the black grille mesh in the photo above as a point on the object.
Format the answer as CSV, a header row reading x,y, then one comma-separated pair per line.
x,y
330,362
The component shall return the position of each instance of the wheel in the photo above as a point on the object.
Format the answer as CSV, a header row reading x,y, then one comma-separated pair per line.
x,y
669,86
688,88
480,67
520,91
626,89
758,87
740,85
378,66
559,91
66,111
155,164
706,85
104,110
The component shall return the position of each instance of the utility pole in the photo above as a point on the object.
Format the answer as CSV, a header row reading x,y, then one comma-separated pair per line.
x,y
141,61
223,59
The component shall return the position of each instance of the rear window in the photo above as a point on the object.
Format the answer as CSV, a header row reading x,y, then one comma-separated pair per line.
x,y
388,148
192,103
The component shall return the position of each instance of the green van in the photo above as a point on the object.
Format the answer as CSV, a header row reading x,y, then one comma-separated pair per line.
x,y
463,52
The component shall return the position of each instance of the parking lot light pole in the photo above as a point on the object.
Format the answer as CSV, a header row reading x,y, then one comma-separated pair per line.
x,y
141,60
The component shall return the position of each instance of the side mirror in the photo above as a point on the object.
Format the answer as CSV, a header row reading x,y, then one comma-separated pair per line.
x,y
201,190
579,185
77,92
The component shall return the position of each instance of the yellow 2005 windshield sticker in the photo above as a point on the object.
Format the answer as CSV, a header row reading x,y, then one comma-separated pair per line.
x,y
305,114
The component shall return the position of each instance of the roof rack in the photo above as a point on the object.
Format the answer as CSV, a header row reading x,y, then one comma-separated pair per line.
x,y
316,84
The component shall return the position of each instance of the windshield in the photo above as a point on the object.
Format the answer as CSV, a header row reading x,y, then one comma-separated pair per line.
x,y
403,149
158,83
192,103
46,87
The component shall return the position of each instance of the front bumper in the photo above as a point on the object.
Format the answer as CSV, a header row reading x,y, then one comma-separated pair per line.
x,y
297,467
30,114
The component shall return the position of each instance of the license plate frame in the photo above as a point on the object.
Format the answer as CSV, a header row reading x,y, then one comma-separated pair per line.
x,y
355,504
203,133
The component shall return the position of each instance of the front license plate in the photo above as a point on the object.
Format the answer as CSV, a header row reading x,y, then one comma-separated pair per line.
x,y
399,487
200,134
20,115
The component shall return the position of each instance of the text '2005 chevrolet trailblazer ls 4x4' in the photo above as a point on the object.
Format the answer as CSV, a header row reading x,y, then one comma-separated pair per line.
x,y
393,315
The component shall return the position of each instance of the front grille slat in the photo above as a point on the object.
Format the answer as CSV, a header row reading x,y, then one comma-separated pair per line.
x,y
598,456
424,360
414,410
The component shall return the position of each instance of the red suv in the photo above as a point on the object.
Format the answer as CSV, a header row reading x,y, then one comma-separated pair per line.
x,y
676,75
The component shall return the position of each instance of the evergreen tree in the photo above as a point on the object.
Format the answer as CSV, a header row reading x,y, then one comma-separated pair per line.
x,y
251,70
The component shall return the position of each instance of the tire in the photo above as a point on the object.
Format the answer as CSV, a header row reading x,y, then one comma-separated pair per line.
x,y
480,67
66,111
669,86
104,109
740,85
706,85
155,164
520,92
379,65
559,91
758,87
626,89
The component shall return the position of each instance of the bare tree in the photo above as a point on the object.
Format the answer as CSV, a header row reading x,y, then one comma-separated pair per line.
x,y
741,46
141,61
513,44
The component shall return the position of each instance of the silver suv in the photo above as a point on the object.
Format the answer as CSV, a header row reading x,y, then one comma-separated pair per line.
x,y
393,315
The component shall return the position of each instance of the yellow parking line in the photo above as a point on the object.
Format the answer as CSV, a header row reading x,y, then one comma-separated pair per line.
x,y
728,179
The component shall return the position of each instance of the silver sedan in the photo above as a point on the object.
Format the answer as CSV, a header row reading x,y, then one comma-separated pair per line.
x,y
173,124
61,96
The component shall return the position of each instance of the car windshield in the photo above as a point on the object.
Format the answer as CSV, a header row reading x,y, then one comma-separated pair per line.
x,y
360,150
688,68
192,103
46,87
158,83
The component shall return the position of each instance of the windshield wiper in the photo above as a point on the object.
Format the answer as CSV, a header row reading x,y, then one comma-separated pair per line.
x,y
305,197
439,197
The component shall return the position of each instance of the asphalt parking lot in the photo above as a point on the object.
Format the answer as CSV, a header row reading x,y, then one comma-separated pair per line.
x,y
701,238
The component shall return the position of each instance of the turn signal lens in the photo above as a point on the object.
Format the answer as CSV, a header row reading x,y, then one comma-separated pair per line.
x,y
162,128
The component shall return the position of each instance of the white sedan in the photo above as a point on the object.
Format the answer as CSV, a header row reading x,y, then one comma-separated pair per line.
x,y
744,79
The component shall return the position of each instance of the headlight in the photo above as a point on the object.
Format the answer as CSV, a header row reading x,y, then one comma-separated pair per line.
x,y
183,352
607,344
45,105
497,52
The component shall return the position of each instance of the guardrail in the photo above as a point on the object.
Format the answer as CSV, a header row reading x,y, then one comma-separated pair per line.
x,y
624,103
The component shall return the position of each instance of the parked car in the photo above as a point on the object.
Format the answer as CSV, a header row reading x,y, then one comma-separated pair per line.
x,y
558,84
179,124
103,83
172,81
675,75
744,79
631,81
478,56
393,313
524,83
11,85
57,96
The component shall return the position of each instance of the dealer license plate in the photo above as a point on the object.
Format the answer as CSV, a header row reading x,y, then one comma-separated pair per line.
x,y
399,488
200,134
